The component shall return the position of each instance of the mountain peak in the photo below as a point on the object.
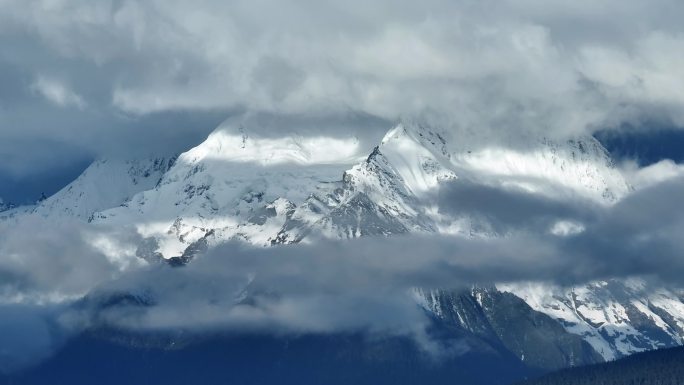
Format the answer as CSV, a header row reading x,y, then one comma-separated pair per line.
x,y
236,142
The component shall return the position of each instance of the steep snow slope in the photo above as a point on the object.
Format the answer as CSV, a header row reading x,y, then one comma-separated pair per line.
x,y
104,184
580,166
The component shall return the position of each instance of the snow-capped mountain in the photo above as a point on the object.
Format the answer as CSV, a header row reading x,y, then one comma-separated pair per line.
x,y
237,184
241,183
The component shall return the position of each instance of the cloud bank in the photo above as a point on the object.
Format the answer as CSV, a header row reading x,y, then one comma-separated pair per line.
x,y
112,73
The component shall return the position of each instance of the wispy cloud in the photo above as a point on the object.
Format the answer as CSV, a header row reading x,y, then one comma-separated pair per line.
x,y
57,93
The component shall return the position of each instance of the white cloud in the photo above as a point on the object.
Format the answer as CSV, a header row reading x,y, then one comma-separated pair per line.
x,y
641,177
566,228
57,93
45,262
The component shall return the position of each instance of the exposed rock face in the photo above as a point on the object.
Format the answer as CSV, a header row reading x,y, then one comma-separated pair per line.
x,y
537,339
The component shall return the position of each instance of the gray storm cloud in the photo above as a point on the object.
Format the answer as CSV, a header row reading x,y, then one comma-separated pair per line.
x,y
120,70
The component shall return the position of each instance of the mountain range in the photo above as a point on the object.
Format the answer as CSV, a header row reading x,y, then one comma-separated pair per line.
x,y
244,184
